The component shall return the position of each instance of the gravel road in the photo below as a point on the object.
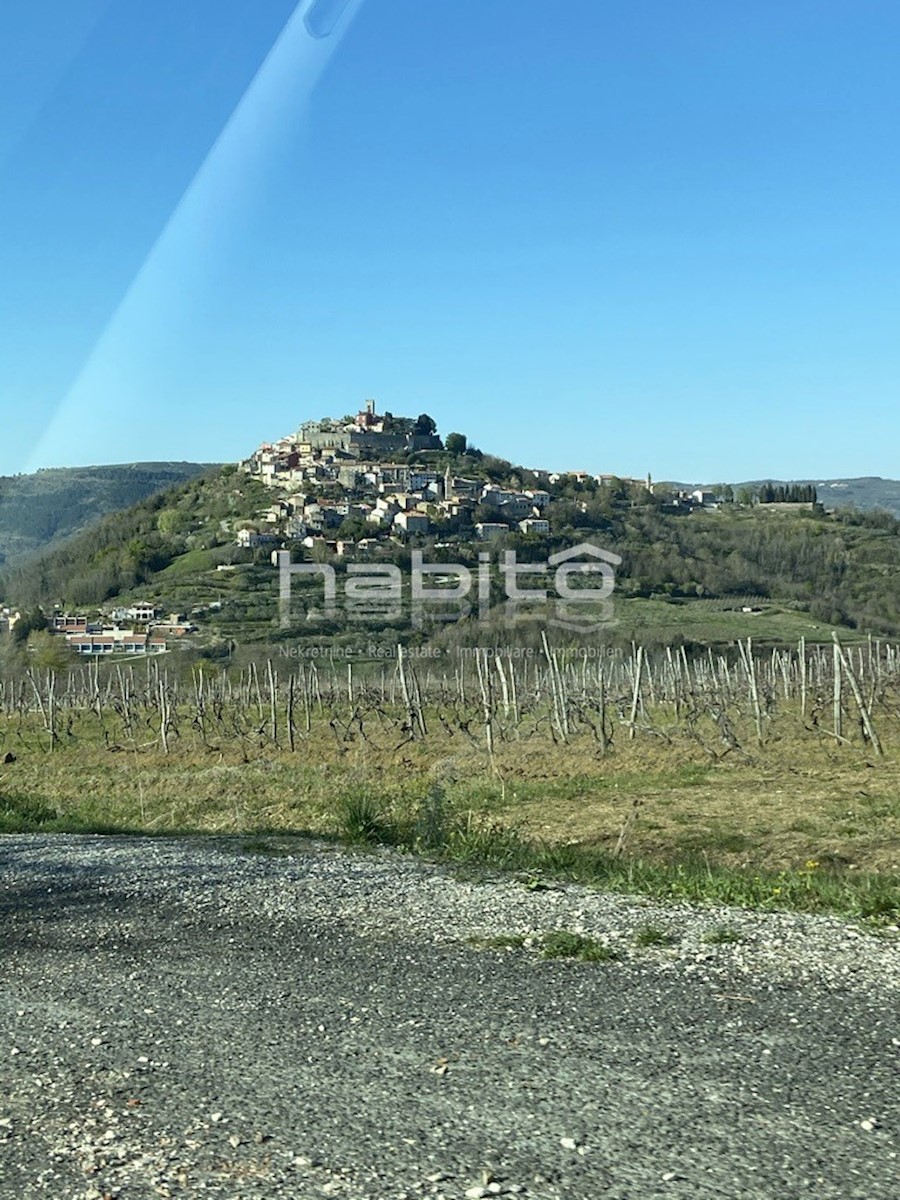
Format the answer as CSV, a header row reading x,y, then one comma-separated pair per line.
x,y
180,1018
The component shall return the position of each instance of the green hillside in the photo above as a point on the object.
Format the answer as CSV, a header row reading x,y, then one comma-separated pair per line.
x,y
127,549
706,576
39,510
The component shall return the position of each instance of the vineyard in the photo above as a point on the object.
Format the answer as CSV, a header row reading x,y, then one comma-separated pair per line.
x,y
780,763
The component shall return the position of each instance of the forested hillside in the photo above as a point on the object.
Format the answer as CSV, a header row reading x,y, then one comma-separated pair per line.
x,y
41,509
125,549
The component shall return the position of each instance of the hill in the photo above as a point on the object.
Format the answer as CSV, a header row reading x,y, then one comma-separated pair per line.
x,y
126,549
866,493
41,509
701,576
362,494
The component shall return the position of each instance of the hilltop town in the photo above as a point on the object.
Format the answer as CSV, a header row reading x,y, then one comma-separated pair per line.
x,y
191,566
362,486
344,486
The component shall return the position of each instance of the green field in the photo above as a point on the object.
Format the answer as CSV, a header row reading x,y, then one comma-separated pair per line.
x,y
719,622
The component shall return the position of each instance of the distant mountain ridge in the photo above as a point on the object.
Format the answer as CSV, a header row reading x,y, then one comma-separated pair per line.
x,y
864,492
40,509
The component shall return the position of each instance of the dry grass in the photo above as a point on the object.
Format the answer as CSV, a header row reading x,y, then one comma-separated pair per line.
x,y
799,799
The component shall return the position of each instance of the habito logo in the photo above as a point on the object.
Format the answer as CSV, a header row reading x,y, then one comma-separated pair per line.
x,y
572,589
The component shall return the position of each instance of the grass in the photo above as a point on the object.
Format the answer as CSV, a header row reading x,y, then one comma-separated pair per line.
x,y
190,563
722,935
558,943
20,814
704,622
562,943
653,935
869,896
362,820
797,824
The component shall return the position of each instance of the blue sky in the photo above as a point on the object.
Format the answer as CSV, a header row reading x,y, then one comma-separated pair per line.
x,y
616,236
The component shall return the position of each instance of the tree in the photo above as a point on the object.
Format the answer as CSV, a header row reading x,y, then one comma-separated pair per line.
x,y
456,443
496,469
487,513
171,521
425,426
51,653
28,623
352,529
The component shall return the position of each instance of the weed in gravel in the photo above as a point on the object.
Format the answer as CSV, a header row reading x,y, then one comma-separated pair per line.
x,y
501,941
534,884
653,935
563,943
722,935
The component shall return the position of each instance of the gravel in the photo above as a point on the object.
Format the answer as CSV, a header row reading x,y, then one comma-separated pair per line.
x,y
181,1018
